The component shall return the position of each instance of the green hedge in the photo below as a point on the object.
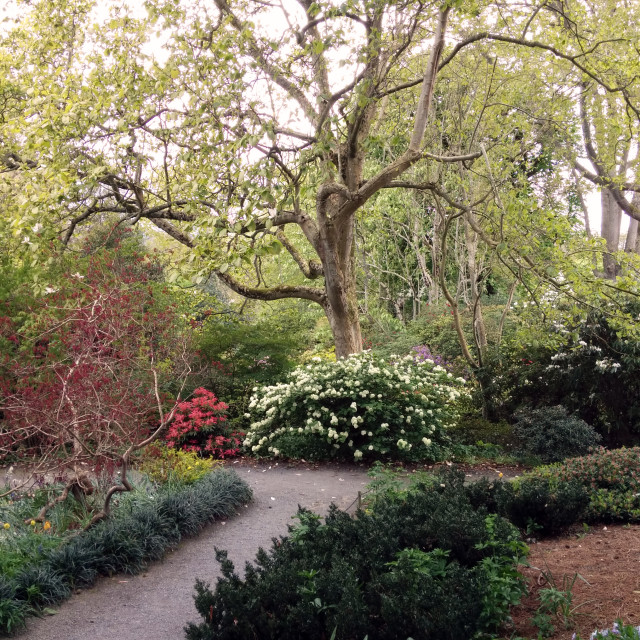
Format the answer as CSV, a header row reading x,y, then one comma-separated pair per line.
x,y
127,543
611,478
426,565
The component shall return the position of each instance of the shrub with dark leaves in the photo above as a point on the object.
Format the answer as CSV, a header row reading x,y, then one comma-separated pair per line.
x,y
611,478
552,435
428,565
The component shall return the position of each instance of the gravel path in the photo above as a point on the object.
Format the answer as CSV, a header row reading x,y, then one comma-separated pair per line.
x,y
157,604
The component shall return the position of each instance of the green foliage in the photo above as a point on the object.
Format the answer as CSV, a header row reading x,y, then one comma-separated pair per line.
x,y
240,353
544,508
610,477
552,435
164,465
587,360
12,611
555,603
533,504
436,329
357,407
125,543
472,428
428,565
20,546
40,586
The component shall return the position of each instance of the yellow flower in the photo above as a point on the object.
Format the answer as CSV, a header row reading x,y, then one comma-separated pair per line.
x,y
47,525
33,523
6,525
500,475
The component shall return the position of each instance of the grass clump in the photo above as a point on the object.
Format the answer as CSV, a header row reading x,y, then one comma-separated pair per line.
x,y
140,532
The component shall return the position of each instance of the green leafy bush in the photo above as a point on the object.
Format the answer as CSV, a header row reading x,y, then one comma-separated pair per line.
x,y
552,435
540,506
533,504
357,407
124,544
610,477
165,465
428,565
472,428
586,362
242,351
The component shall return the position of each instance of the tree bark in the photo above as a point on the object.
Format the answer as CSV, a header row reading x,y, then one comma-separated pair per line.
x,y
610,229
337,254
632,243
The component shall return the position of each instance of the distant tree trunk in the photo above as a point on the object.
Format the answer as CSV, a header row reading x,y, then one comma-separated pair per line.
x,y
610,229
632,244
475,277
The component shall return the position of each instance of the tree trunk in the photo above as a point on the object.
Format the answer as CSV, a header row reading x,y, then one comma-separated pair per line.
x,y
632,244
611,218
632,236
337,253
479,329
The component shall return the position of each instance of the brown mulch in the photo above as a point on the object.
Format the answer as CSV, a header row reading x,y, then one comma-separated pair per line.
x,y
608,558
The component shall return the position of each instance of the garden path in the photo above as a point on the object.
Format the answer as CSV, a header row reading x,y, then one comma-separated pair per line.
x,y
157,604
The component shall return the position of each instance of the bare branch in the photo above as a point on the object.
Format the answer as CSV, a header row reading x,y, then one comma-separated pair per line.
x,y
278,76
311,268
279,292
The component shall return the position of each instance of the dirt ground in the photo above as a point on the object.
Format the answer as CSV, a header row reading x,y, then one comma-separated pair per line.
x,y
158,603
608,560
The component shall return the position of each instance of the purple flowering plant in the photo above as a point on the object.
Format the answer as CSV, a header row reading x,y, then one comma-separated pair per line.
x,y
619,630
422,352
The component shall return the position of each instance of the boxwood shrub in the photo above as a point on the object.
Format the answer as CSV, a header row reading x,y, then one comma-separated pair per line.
x,y
552,435
428,565
126,543
611,479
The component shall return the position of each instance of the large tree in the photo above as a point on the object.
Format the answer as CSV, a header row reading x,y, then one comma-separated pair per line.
x,y
256,126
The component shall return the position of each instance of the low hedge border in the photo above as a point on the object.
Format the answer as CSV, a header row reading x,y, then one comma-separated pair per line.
x,y
127,543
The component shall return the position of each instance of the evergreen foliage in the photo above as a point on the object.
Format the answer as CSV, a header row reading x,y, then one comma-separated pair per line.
x,y
126,543
428,565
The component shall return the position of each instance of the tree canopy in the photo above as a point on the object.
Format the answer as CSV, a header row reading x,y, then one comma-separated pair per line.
x,y
242,129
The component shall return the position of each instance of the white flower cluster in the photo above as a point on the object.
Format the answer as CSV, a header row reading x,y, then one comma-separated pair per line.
x,y
361,404
607,364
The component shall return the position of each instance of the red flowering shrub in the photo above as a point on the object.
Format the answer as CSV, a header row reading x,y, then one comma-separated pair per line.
x,y
200,425
83,385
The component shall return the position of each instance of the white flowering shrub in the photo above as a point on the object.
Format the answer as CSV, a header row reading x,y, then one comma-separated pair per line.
x,y
359,407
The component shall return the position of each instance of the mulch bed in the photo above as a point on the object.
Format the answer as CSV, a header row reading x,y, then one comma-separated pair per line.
x,y
608,558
